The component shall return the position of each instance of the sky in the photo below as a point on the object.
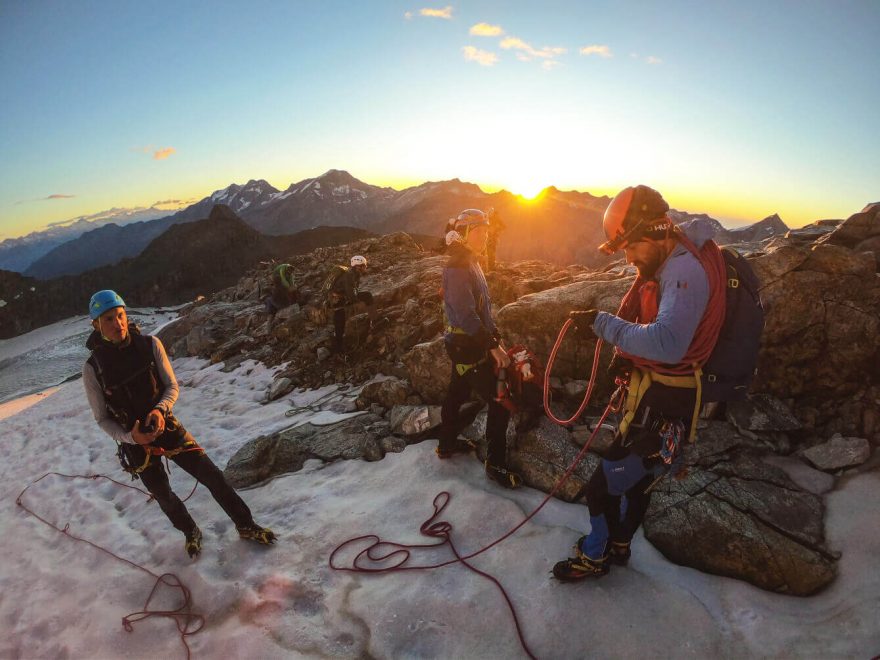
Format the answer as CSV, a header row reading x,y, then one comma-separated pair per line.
x,y
738,110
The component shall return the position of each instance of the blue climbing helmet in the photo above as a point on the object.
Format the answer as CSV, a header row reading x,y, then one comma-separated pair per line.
x,y
102,301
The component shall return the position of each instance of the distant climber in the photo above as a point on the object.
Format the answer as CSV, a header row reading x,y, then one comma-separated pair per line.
x,y
496,226
131,390
664,331
473,345
342,292
284,291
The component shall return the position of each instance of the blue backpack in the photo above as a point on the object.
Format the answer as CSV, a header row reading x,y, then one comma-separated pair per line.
x,y
731,367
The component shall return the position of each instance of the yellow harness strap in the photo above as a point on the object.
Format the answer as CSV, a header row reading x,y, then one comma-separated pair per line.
x,y
639,383
189,445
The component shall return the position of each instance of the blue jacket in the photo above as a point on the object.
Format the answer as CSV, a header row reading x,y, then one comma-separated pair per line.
x,y
683,295
466,297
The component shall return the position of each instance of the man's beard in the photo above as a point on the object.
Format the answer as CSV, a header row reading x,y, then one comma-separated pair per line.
x,y
648,269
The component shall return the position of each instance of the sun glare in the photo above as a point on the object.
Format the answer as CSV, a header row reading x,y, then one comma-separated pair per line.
x,y
528,191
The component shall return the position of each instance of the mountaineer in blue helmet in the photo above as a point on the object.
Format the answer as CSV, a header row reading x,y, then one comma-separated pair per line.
x,y
131,390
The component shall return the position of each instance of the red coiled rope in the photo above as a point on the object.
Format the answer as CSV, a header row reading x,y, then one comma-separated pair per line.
x,y
188,622
379,551
589,392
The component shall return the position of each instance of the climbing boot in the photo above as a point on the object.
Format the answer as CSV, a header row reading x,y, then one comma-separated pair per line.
x,y
256,533
503,476
193,545
575,569
451,448
619,553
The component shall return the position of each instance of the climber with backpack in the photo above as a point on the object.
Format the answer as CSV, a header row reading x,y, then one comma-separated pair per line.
x,y
283,291
474,347
686,333
131,389
340,292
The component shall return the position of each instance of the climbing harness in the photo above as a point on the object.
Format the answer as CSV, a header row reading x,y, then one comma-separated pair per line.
x,y
149,452
187,622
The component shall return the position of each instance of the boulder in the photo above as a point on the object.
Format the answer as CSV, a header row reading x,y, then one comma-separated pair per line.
x,y
762,412
838,453
286,451
387,393
412,420
428,367
734,515
279,388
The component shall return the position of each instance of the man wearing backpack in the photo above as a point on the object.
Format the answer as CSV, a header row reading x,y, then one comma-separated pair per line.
x,y
284,292
342,290
131,390
664,332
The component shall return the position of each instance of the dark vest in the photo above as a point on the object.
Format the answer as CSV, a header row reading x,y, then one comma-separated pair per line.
x,y
128,375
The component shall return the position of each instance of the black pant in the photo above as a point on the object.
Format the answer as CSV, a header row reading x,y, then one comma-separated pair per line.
x,y
482,380
340,315
634,463
205,472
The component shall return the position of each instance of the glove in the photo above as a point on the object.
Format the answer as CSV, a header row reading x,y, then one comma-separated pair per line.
x,y
583,323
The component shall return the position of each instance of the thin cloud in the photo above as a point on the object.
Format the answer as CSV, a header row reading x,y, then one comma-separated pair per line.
x,y
486,30
482,57
651,59
446,12
163,153
49,198
596,49
549,65
407,15
547,52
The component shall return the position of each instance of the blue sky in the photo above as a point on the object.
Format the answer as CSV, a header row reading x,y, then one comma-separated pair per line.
x,y
737,109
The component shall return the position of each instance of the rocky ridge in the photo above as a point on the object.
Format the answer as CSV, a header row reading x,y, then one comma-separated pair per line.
x,y
750,504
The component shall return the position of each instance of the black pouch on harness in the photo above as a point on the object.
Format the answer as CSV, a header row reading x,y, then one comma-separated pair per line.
x,y
462,349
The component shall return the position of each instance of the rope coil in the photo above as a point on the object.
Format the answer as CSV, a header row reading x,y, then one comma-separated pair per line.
x,y
187,622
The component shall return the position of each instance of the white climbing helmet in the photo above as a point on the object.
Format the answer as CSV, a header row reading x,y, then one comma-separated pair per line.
x,y
358,260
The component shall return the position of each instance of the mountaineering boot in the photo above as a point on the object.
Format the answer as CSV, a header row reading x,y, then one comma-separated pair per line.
x,y
193,545
503,476
619,553
575,569
256,533
452,447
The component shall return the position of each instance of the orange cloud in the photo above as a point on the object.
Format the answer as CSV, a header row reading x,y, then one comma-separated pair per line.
x,y
482,57
163,153
595,49
60,196
446,12
486,30
515,43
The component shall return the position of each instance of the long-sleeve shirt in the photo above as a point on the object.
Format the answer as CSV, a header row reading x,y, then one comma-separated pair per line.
x,y
683,296
466,296
98,404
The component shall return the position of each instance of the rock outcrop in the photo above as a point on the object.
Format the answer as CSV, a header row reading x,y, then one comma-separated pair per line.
x,y
736,512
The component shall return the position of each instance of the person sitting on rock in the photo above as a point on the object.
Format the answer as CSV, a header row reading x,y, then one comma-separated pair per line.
x,y
284,291
342,293
131,390
473,345
665,327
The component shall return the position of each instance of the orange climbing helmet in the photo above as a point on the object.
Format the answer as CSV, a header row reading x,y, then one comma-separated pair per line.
x,y
635,213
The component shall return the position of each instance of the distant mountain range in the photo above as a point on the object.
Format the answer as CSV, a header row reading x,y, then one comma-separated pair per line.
x,y
187,260
558,226
18,253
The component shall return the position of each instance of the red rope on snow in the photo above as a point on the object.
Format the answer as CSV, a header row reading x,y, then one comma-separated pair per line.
x,y
379,551
188,622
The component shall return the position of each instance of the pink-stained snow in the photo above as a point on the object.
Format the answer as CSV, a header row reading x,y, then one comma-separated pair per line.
x,y
60,598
